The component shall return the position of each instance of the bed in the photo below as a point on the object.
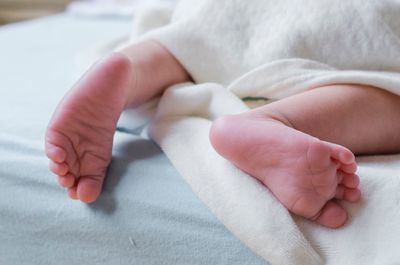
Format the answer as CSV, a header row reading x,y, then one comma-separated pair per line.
x,y
147,214
150,211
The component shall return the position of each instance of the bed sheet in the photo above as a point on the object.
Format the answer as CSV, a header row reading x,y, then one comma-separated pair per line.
x,y
146,214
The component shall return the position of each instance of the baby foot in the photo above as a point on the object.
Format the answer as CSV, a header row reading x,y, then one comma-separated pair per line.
x,y
304,173
79,136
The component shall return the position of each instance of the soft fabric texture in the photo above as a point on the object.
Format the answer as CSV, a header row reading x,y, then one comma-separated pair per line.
x,y
274,49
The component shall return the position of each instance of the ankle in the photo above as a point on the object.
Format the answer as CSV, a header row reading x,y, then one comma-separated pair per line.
x,y
153,70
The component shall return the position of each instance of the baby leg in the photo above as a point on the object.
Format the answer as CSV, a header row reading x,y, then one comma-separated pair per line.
x,y
301,147
80,134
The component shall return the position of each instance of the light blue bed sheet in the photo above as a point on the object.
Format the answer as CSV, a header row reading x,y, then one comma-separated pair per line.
x,y
146,214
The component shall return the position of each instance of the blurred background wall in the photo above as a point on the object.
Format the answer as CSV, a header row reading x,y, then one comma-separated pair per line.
x,y
16,10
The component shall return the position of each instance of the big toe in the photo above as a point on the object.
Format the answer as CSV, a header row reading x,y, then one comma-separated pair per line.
x,y
332,215
89,188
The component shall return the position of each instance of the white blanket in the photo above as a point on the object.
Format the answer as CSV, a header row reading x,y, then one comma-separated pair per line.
x,y
273,49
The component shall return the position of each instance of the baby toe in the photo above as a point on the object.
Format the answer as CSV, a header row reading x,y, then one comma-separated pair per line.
x,y
347,157
58,168
351,195
342,154
340,192
72,192
66,181
332,215
55,153
350,180
347,194
89,188
350,168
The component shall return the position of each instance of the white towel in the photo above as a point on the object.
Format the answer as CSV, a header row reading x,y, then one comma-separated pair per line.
x,y
273,49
